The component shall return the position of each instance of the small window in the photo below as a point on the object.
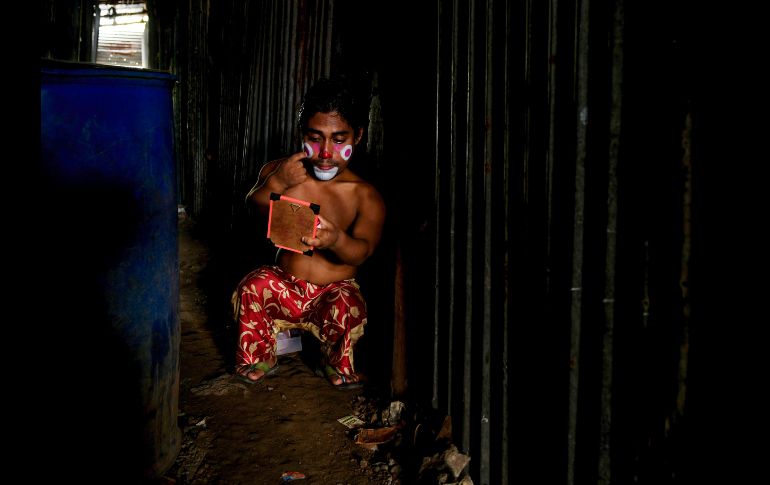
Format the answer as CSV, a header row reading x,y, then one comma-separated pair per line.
x,y
122,34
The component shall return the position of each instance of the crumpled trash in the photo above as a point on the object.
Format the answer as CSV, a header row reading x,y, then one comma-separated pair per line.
x,y
371,437
450,459
392,415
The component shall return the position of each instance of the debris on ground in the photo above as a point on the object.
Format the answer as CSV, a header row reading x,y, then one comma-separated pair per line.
x,y
411,444
350,421
290,476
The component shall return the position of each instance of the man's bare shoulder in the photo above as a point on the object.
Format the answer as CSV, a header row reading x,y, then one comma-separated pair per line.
x,y
270,166
267,169
368,191
363,188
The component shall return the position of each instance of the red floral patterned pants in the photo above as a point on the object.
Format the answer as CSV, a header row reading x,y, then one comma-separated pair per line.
x,y
269,300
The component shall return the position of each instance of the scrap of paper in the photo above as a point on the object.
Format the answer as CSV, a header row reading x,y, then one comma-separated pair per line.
x,y
350,421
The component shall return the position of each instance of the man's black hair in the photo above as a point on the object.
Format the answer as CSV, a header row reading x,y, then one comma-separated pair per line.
x,y
328,95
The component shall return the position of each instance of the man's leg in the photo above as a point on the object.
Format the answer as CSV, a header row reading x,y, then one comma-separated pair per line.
x,y
262,296
341,312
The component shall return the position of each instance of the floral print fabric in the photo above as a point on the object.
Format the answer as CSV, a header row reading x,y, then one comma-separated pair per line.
x,y
269,300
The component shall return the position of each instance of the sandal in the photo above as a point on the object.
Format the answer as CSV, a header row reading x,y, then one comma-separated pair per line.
x,y
242,372
354,381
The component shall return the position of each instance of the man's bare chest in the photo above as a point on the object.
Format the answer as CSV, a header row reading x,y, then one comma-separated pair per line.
x,y
339,205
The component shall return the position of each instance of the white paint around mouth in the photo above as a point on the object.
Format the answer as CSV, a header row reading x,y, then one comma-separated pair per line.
x,y
325,174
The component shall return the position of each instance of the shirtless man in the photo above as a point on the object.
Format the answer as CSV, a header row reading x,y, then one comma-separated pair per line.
x,y
317,294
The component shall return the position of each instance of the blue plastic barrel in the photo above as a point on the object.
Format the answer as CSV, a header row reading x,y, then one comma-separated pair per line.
x,y
107,326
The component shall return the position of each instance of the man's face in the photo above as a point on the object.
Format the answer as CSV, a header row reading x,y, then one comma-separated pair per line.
x,y
329,142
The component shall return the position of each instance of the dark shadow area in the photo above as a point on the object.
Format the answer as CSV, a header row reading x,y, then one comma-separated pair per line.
x,y
88,370
218,280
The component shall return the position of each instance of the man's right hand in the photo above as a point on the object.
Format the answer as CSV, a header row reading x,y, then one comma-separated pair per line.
x,y
292,171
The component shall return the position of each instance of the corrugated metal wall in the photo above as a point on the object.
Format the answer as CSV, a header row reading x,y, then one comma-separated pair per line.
x,y
510,167
561,254
67,30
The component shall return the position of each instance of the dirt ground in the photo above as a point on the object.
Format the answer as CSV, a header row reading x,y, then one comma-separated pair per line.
x,y
238,433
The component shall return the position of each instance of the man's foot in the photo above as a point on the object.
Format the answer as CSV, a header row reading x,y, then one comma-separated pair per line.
x,y
251,373
342,381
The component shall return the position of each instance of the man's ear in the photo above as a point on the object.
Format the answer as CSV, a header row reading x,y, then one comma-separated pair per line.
x,y
359,135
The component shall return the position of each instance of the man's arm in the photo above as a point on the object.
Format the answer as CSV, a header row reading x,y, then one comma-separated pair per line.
x,y
280,176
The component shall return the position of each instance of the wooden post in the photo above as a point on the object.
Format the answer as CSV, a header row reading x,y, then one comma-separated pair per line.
x,y
398,381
